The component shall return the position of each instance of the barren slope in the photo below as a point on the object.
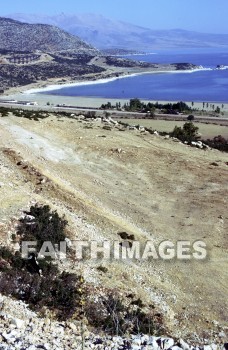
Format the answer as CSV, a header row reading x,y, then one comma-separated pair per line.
x,y
150,187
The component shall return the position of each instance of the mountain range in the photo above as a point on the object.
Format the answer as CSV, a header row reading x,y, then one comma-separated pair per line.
x,y
19,36
104,33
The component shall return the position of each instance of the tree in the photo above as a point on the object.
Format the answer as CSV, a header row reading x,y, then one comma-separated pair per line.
x,y
135,104
191,117
152,113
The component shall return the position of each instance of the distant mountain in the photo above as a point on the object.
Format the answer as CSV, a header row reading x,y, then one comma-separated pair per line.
x,y
18,36
104,33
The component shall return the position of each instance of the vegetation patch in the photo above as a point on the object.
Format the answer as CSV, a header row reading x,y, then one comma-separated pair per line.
x,y
188,133
115,313
218,142
58,291
64,294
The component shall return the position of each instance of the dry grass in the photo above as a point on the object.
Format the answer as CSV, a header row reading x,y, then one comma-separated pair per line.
x,y
206,130
154,189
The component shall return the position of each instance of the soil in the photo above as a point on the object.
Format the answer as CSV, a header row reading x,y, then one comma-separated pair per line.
x,y
110,181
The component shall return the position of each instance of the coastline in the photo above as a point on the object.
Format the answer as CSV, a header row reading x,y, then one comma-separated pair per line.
x,y
108,79
36,92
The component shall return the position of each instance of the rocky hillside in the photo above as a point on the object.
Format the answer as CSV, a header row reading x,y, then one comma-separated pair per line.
x,y
18,36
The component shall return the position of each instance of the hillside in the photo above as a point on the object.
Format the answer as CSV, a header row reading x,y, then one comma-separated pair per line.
x,y
105,182
18,36
105,33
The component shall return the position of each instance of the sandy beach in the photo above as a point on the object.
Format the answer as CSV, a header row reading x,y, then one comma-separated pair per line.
x,y
44,99
36,92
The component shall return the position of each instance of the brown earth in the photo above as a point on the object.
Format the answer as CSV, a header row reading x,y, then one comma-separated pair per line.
x,y
106,181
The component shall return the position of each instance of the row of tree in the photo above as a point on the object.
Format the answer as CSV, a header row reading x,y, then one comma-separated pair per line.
x,y
136,105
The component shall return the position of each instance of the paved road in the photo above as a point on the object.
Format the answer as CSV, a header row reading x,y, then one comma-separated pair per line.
x,y
114,113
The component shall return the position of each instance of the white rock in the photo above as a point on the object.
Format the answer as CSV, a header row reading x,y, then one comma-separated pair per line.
x,y
135,347
184,345
167,343
17,322
136,340
153,342
10,336
117,340
68,242
222,334
31,347
210,347
175,347
145,338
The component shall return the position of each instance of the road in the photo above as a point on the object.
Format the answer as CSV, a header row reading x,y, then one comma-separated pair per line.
x,y
114,113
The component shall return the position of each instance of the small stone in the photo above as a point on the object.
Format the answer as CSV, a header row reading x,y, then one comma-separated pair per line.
x,y
222,335
32,347
73,326
183,344
10,337
17,322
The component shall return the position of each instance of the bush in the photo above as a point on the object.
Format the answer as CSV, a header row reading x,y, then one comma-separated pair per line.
x,y
188,133
60,292
47,225
114,314
191,117
218,142
4,111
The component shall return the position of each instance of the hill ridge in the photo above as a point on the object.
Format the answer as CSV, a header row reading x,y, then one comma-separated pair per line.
x,y
21,36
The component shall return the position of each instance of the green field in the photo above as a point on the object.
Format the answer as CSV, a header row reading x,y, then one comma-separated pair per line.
x,y
206,130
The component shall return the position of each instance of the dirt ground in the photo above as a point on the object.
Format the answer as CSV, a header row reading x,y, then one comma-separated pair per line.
x,y
107,181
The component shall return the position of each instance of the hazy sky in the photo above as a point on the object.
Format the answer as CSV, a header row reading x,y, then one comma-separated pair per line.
x,y
209,16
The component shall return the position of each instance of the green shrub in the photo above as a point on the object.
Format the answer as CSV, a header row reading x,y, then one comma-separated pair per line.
x,y
188,133
61,292
46,226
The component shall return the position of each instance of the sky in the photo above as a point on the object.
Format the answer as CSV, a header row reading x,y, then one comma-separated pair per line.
x,y
208,16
